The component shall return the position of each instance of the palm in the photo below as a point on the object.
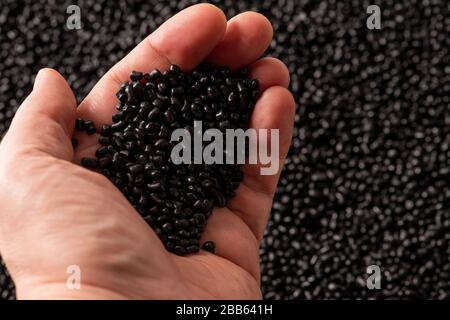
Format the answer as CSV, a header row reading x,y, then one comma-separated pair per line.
x,y
136,248
232,272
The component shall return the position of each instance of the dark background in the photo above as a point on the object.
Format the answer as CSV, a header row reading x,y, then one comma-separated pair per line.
x,y
367,177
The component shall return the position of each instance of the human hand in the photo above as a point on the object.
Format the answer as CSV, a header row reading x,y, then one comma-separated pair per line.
x,y
54,213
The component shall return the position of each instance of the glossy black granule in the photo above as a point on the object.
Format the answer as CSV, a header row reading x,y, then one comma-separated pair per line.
x,y
366,178
209,246
135,152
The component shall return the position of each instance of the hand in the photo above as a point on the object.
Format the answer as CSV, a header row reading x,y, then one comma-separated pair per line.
x,y
54,213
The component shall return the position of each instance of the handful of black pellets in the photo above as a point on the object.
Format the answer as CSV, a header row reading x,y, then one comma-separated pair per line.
x,y
135,153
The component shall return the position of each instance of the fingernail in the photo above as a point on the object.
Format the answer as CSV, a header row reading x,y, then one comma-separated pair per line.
x,y
37,79
40,77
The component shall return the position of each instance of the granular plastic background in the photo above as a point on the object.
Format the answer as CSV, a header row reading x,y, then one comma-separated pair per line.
x,y
367,177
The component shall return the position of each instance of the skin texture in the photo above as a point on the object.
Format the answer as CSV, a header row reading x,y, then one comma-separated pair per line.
x,y
54,213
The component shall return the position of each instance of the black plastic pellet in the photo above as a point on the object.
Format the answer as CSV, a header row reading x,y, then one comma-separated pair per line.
x,y
170,118
174,69
179,250
129,93
136,75
153,114
104,140
80,125
155,187
220,198
105,130
100,152
162,88
137,168
90,127
162,144
122,96
90,163
181,224
155,75
104,162
118,126
167,227
192,248
138,90
209,246
177,91
118,116
158,103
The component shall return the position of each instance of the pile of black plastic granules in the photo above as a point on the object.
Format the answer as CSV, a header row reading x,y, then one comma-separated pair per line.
x,y
175,196
367,177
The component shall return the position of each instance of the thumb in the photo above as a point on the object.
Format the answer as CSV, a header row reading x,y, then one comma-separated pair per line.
x,y
45,120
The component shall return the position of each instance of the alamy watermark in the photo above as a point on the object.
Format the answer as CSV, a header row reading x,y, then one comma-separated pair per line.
x,y
374,280
74,19
74,277
191,150
374,20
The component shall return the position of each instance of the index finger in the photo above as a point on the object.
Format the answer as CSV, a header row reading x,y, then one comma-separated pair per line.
x,y
186,39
